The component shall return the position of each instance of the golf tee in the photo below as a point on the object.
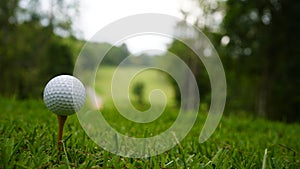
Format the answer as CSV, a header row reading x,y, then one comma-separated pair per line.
x,y
61,123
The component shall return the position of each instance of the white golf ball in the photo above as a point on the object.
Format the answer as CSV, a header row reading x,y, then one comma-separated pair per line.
x,y
64,95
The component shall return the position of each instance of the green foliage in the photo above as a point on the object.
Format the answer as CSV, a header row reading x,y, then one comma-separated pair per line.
x,y
262,57
111,55
30,53
28,133
196,66
138,91
142,59
116,55
31,59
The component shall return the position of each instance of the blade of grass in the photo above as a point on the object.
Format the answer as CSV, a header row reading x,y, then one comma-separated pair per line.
x,y
265,159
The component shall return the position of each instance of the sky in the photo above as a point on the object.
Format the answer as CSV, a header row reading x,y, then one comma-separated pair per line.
x,y
96,14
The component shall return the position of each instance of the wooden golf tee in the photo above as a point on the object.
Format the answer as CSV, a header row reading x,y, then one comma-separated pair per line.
x,y
61,123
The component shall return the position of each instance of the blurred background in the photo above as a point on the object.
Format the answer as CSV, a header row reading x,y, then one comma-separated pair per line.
x,y
257,41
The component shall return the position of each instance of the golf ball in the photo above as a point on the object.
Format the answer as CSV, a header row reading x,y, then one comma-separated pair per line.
x,y
64,95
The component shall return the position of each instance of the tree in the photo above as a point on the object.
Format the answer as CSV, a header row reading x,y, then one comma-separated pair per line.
x,y
138,91
30,52
196,66
208,23
258,45
263,47
7,27
116,55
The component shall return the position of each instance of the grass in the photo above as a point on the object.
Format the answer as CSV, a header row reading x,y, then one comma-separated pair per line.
x,y
28,135
152,79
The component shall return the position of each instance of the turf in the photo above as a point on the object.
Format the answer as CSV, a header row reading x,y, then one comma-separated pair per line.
x,y
28,133
28,136
151,78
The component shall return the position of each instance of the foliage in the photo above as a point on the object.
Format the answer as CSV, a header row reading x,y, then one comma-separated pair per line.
x,y
263,55
30,53
205,20
138,91
193,61
260,54
116,55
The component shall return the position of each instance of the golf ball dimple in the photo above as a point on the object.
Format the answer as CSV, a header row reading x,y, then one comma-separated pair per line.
x,y
64,95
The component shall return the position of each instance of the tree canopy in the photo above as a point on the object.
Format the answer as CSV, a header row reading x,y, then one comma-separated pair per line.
x,y
258,42
30,52
263,54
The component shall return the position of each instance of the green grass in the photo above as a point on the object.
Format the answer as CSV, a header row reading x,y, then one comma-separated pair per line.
x,y
28,133
151,78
